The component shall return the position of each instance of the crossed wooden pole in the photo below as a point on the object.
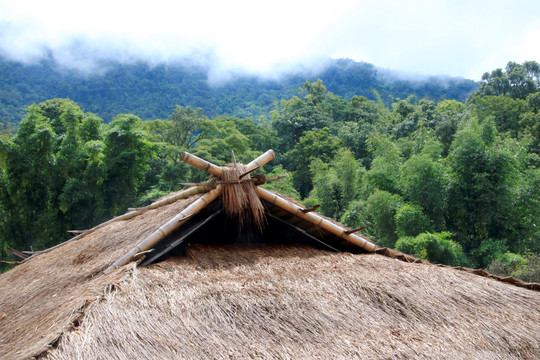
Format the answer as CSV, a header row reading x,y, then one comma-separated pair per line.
x,y
212,190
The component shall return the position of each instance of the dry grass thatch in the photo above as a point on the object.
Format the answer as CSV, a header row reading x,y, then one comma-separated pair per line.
x,y
290,302
240,200
277,302
41,297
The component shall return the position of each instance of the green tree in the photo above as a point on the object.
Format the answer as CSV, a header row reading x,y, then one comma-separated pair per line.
x,y
526,212
282,186
299,116
526,267
482,169
423,182
261,135
349,173
384,171
524,78
381,209
78,168
126,155
335,183
366,118
448,115
411,221
339,109
356,215
313,145
436,248
181,132
31,217
517,81
326,188
59,172
529,123
316,92
355,136
222,137
184,129
505,112
408,116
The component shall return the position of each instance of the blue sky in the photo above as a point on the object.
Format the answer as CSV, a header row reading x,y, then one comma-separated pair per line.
x,y
443,37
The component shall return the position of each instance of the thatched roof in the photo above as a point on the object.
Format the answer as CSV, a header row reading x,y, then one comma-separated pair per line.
x,y
275,301
269,297
42,296
294,302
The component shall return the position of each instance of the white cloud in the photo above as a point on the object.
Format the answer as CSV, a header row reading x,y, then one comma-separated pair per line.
x,y
460,38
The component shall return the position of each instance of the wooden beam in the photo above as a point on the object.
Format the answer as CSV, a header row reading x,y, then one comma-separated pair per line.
x,y
17,253
261,160
218,171
355,230
304,233
10,262
180,239
313,208
202,164
167,228
316,219
248,172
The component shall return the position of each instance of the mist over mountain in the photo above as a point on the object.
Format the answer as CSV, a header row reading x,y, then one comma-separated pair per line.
x,y
151,90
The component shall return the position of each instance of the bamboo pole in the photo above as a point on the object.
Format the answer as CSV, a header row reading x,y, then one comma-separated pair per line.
x,y
10,263
355,230
260,179
184,194
201,164
167,228
217,171
315,219
17,253
313,208
261,160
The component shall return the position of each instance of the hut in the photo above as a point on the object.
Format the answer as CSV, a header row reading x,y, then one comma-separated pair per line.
x,y
227,269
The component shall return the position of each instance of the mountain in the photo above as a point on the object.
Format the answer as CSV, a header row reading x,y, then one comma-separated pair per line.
x,y
152,91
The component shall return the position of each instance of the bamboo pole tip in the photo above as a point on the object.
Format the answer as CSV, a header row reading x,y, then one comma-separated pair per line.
x,y
271,153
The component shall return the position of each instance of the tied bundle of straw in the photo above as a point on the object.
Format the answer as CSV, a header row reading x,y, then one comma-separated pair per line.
x,y
239,197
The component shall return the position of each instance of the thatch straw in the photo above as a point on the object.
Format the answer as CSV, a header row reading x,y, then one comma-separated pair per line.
x,y
394,254
240,199
43,296
301,303
245,303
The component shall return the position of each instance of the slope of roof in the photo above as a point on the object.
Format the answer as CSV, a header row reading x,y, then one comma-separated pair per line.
x,y
285,302
42,296
272,301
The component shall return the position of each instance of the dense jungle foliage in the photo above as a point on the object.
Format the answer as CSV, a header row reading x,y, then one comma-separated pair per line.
x,y
150,92
449,181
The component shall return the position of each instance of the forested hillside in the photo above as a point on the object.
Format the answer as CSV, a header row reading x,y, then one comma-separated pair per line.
x,y
151,92
454,182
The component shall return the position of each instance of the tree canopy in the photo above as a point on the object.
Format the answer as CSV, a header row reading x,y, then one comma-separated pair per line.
x,y
449,181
